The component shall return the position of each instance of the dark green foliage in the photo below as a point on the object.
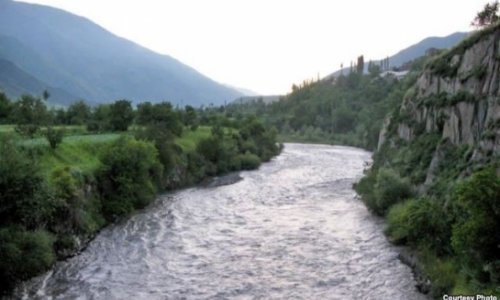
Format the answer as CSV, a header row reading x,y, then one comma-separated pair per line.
x,y
249,161
365,188
413,160
23,196
219,152
389,190
190,117
462,96
347,110
127,176
161,115
54,136
441,66
99,120
476,234
78,113
144,113
29,113
121,115
197,166
22,254
5,108
420,221
226,151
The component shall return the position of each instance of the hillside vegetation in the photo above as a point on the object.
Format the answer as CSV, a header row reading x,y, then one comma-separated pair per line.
x,y
347,110
435,175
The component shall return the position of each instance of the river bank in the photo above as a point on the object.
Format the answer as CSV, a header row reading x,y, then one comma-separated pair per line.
x,y
272,234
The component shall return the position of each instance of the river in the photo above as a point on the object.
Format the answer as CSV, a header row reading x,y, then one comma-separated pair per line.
x,y
294,229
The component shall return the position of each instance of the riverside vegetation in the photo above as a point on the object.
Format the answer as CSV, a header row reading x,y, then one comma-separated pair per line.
x,y
66,173
435,174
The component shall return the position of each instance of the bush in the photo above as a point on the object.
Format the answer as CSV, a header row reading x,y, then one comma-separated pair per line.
x,y
390,189
442,271
129,169
24,197
476,234
23,254
365,188
54,136
420,222
249,161
398,225
196,166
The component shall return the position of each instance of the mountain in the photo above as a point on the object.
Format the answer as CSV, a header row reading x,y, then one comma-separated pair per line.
x,y
72,53
419,49
15,82
415,51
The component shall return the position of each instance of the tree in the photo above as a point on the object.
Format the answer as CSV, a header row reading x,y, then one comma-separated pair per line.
x,y
29,113
190,117
361,65
373,69
78,113
121,115
99,120
5,107
144,113
489,15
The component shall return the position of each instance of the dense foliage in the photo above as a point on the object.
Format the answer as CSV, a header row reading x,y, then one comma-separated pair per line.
x,y
55,194
349,109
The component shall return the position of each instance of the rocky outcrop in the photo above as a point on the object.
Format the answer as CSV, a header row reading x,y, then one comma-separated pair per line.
x,y
458,97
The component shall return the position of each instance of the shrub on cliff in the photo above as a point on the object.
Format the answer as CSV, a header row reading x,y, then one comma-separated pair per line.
x,y
420,222
476,234
390,189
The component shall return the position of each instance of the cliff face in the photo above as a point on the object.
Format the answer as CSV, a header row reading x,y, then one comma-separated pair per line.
x,y
458,98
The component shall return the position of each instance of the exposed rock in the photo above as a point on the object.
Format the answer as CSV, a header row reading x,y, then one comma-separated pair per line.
x,y
458,97
383,132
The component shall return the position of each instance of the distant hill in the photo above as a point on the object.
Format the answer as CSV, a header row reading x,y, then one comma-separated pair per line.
x,y
72,53
415,51
15,82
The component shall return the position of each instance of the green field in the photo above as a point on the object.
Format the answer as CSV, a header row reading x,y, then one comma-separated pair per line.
x,y
69,129
190,138
81,152
6,128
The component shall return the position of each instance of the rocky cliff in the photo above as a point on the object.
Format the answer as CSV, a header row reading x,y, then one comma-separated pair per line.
x,y
457,98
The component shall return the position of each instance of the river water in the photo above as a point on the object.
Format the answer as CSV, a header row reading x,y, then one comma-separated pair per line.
x,y
293,229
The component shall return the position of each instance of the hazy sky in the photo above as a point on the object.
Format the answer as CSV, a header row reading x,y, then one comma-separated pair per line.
x,y
266,45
